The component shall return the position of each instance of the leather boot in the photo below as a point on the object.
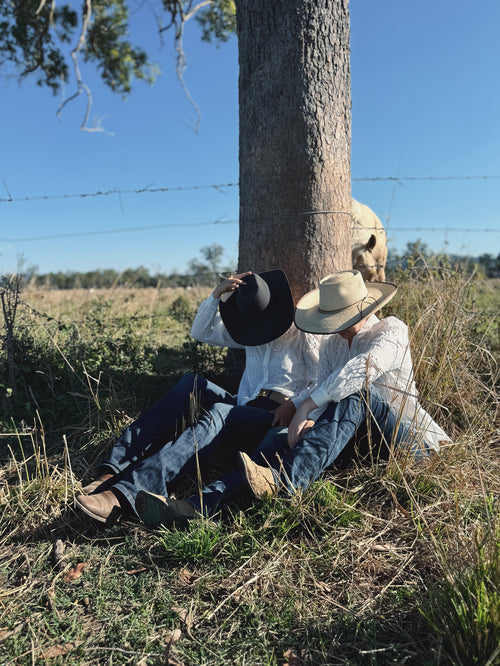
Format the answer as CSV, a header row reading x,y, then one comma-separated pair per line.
x,y
103,507
259,480
92,487
156,510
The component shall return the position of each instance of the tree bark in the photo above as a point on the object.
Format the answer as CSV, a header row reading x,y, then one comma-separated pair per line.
x,y
295,130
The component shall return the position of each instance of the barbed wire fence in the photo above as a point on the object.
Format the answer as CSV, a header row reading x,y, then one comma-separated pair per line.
x,y
186,278
150,189
204,277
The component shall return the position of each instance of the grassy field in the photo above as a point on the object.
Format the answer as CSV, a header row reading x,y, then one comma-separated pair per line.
x,y
380,564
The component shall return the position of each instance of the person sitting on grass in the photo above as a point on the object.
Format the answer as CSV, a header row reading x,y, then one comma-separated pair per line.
x,y
248,311
366,399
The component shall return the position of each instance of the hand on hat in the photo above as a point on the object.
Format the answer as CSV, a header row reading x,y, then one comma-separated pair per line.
x,y
229,284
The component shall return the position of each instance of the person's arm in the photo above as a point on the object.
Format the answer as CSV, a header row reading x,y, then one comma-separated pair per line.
x,y
386,352
208,325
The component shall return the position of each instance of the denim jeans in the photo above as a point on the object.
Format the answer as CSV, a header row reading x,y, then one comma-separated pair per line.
x,y
342,423
160,424
233,426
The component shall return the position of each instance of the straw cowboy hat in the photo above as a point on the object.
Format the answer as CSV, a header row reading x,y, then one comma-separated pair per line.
x,y
341,301
260,310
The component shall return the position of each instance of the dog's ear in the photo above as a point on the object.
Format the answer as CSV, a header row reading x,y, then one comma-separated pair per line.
x,y
372,241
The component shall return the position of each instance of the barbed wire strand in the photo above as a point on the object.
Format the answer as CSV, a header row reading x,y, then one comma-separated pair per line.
x,y
105,193
193,225
149,189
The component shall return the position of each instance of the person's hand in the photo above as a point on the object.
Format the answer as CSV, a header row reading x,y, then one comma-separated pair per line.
x,y
308,425
230,284
283,414
300,422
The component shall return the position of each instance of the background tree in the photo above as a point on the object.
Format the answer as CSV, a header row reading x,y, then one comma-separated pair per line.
x,y
206,272
490,264
47,40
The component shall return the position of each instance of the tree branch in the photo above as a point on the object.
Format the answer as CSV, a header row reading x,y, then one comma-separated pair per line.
x,y
186,17
180,65
81,85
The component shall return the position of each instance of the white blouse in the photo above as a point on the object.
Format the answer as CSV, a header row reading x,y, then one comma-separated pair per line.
x,y
288,364
379,356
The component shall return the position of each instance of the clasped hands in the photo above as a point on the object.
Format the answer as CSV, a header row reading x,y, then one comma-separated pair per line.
x,y
297,419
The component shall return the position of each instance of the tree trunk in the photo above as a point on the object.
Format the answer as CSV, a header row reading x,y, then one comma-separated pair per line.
x,y
295,129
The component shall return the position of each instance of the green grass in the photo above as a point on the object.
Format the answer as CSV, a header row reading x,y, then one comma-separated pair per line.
x,y
372,564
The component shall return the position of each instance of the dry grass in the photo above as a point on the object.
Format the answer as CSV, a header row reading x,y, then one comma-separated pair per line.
x,y
347,572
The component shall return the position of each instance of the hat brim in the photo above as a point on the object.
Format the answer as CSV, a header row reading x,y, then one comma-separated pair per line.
x,y
275,320
310,318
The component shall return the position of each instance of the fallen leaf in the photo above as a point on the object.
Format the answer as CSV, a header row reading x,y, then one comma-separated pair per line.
x,y
58,553
172,636
135,571
185,616
75,573
293,658
58,650
186,577
5,633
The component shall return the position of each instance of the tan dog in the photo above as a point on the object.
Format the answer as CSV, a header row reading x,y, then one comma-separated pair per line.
x,y
369,243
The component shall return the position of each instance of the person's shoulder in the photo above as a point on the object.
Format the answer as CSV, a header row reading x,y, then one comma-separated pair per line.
x,y
392,325
394,322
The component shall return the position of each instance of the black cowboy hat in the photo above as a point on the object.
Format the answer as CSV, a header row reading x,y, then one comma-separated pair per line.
x,y
260,310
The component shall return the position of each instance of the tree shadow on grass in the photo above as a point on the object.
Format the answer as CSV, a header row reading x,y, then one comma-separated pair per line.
x,y
373,639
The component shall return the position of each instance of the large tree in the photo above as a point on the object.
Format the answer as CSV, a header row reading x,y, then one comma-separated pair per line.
x,y
295,129
294,96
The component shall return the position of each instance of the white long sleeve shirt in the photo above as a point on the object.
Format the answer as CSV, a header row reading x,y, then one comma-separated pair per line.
x,y
379,357
288,364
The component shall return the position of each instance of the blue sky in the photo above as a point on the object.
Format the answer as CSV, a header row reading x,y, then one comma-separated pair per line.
x,y
425,104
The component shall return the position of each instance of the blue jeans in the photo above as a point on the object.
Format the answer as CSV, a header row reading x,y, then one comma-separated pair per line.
x,y
233,426
160,424
341,424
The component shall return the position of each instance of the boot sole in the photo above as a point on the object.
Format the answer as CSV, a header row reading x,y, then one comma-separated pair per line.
x,y
150,508
155,511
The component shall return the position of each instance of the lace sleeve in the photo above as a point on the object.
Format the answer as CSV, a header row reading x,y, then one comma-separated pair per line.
x,y
385,352
208,326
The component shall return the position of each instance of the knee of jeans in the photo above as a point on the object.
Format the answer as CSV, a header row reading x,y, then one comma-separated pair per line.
x,y
191,383
189,379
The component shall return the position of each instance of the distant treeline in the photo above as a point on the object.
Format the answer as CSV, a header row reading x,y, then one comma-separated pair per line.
x,y
206,273
418,254
200,273
108,278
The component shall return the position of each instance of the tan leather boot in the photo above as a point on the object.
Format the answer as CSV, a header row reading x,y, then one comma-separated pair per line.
x,y
92,487
103,507
259,480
